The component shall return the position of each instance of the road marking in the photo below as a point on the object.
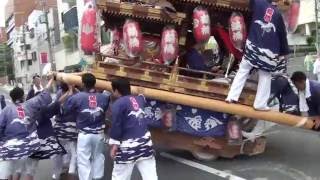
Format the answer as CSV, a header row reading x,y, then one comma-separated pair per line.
x,y
202,167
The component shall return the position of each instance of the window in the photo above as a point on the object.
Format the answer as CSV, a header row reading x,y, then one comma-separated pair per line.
x,y
34,56
29,62
28,46
31,35
22,64
62,20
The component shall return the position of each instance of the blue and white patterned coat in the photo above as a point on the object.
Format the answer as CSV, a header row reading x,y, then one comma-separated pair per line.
x,y
90,108
267,39
65,124
284,90
129,130
314,100
18,128
49,144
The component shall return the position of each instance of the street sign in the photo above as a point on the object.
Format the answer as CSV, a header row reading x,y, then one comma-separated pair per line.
x,y
43,57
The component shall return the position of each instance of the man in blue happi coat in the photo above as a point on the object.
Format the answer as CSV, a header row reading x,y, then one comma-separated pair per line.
x,y
66,131
19,136
283,89
266,43
130,138
90,107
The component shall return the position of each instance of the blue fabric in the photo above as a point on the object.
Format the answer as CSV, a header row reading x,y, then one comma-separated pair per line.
x,y
314,100
49,144
194,121
130,128
195,61
65,124
282,89
15,148
267,39
128,122
89,119
136,149
19,136
10,125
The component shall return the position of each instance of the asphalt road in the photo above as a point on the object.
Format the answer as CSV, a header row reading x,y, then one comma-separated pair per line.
x,y
291,154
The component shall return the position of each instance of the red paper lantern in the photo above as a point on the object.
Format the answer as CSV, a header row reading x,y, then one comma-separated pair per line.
x,y
169,45
132,38
201,24
291,16
88,30
237,31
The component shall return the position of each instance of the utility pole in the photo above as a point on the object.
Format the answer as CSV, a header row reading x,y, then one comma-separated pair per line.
x,y
25,46
51,56
25,51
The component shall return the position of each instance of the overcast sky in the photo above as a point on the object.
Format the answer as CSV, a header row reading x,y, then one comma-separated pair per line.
x,y
2,6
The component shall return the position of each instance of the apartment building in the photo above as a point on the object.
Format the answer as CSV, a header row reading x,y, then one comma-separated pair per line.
x,y
24,39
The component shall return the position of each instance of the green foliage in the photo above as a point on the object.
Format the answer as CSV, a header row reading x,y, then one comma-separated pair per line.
x,y
6,63
311,40
70,42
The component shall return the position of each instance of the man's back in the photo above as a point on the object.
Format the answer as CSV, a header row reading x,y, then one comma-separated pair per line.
x,y
129,111
18,135
15,122
266,27
91,108
129,127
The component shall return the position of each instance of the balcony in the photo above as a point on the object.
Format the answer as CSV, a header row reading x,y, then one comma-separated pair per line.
x,y
22,57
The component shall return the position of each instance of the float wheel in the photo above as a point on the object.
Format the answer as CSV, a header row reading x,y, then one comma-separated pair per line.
x,y
202,155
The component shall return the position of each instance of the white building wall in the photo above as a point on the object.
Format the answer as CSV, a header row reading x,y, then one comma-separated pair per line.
x,y
23,71
306,23
64,58
38,43
307,12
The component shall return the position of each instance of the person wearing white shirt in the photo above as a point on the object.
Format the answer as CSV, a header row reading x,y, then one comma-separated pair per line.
x,y
309,96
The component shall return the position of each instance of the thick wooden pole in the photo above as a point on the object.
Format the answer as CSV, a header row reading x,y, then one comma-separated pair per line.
x,y
202,103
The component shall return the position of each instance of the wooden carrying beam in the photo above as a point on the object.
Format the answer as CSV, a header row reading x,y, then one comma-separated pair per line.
x,y
202,103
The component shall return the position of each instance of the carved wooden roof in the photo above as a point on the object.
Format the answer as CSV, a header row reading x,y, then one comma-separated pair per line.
x,y
241,5
141,12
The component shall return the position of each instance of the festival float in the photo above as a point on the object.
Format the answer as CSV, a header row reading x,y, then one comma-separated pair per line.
x,y
149,43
